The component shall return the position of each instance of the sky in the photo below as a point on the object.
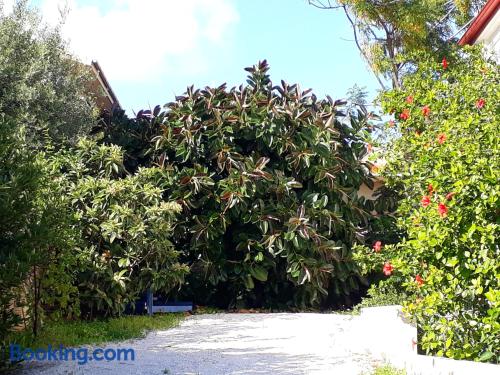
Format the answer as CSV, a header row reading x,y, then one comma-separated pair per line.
x,y
151,50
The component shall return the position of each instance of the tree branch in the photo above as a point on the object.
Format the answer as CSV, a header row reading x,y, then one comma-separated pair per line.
x,y
319,4
356,40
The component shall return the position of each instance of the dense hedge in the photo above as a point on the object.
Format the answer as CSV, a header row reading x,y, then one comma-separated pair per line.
x,y
268,178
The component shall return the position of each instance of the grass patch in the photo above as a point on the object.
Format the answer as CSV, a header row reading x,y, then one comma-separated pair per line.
x,y
78,333
388,370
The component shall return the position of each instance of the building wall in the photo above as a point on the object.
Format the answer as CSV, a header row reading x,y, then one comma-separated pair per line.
x,y
102,100
367,193
490,36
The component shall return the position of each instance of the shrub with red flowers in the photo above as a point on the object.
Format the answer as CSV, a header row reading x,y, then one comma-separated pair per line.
x,y
419,280
480,103
426,200
387,269
441,138
426,110
405,114
447,177
444,63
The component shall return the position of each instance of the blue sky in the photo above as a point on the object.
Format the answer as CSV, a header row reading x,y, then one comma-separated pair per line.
x,y
150,50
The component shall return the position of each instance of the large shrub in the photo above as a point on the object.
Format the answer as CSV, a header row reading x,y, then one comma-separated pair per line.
x,y
124,226
78,235
36,234
18,181
267,177
446,167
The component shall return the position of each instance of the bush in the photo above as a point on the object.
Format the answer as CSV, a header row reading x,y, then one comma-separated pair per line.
x,y
124,224
382,294
267,177
78,235
35,232
446,167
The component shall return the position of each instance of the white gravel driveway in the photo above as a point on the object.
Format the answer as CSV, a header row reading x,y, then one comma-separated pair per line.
x,y
218,344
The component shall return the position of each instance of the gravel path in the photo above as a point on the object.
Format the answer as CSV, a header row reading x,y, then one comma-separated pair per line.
x,y
238,344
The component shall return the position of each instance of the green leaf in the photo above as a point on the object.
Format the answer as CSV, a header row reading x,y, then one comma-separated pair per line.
x,y
123,262
248,281
259,273
486,356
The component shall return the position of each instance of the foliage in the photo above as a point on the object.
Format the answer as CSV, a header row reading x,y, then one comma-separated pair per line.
x,y
77,236
382,294
18,180
388,370
42,86
267,177
125,227
35,232
446,167
13,213
41,94
78,333
133,135
387,33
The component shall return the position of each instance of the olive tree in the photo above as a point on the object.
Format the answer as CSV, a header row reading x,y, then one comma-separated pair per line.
x,y
42,87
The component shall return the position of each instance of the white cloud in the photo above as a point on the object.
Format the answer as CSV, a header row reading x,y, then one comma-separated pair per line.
x,y
137,40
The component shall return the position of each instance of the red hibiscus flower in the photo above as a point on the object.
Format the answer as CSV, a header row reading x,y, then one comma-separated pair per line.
x,y
444,63
405,115
426,110
419,280
480,103
426,200
442,209
388,268
430,188
377,246
441,138
449,196
409,99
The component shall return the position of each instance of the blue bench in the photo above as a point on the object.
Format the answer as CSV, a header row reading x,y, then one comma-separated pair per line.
x,y
157,304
